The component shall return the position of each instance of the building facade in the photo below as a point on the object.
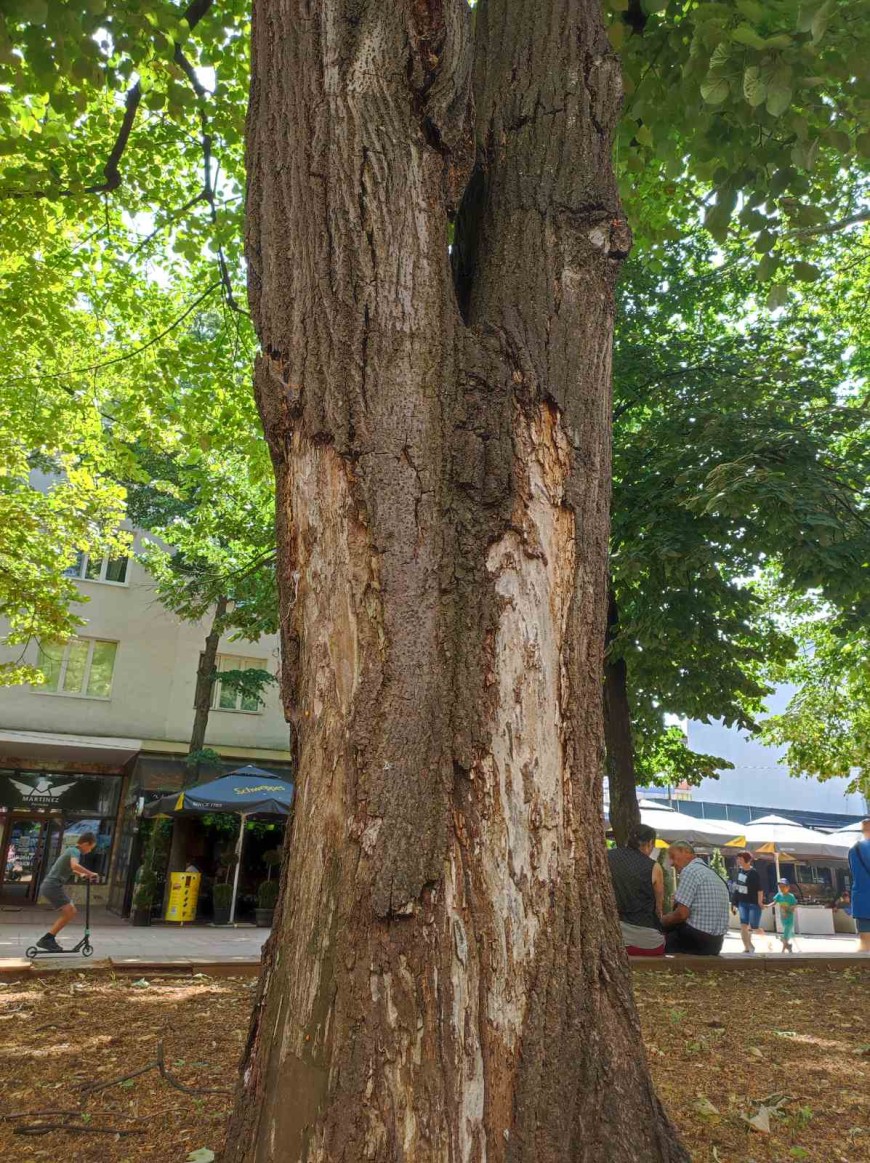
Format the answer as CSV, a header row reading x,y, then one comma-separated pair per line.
x,y
109,729
760,777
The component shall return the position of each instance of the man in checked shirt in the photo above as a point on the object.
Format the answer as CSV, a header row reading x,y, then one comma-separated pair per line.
x,y
699,920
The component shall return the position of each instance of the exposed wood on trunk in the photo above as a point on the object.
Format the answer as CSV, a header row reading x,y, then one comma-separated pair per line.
x,y
445,980
619,742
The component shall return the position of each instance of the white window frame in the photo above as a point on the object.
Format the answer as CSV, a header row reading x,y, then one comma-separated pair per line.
x,y
236,662
84,560
86,674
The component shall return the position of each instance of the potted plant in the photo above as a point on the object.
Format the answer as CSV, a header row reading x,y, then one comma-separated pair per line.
x,y
221,899
267,896
143,896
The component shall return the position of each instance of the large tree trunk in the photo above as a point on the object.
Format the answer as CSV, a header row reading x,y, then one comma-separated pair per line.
x,y
619,742
445,980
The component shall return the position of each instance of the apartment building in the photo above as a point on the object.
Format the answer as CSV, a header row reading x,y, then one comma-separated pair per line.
x,y
109,729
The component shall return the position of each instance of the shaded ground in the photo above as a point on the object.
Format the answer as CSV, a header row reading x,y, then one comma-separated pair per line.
x,y
791,1050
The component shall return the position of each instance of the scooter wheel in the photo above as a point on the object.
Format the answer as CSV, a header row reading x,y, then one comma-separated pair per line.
x,y
32,951
87,950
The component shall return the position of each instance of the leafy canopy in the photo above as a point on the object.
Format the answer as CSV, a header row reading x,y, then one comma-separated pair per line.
x,y
121,178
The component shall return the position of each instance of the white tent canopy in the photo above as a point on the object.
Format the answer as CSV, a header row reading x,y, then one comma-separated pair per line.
x,y
671,825
845,838
794,839
850,830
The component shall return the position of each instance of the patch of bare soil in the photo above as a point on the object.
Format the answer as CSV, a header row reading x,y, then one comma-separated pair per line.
x,y
766,1068
69,1033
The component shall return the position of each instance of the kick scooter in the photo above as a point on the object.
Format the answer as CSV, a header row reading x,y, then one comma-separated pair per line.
x,y
84,947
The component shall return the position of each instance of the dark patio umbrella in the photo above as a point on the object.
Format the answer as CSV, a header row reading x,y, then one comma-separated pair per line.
x,y
247,791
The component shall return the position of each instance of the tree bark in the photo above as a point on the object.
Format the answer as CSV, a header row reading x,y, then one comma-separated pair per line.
x,y
205,683
445,980
619,742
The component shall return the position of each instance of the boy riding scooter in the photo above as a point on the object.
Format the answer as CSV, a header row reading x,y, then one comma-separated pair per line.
x,y
53,888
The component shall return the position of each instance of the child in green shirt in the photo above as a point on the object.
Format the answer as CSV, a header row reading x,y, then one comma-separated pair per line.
x,y
787,902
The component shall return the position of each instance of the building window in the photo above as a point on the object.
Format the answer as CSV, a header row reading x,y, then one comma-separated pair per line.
x,y
99,569
81,667
227,698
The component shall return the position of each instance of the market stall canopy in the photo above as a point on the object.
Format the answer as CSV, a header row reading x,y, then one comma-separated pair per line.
x,y
786,836
854,829
845,838
671,825
248,791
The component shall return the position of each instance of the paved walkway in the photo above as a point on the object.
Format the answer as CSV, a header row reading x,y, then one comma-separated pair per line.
x,y
770,945
117,939
156,942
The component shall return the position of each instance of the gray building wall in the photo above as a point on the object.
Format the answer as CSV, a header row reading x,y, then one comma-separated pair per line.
x,y
760,776
154,677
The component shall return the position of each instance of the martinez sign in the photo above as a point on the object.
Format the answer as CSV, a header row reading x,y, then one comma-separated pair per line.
x,y
34,789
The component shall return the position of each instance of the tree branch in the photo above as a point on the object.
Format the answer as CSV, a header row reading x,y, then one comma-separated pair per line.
x,y
830,227
208,191
111,170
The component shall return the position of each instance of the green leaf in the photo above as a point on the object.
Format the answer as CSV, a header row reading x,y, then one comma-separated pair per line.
x,y
862,144
644,135
806,15
779,91
616,34
807,272
764,242
714,89
745,34
766,269
777,296
751,9
819,24
805,153
754,86
201,1155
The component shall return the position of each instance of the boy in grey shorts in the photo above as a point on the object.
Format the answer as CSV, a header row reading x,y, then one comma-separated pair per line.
x,y
53,888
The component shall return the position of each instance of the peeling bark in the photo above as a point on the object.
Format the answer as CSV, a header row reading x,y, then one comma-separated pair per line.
x,y
445,980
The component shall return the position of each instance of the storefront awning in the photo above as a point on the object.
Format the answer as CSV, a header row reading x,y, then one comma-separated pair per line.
x,y
20,748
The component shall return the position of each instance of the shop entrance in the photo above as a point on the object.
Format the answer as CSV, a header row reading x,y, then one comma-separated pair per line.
x,y
30,844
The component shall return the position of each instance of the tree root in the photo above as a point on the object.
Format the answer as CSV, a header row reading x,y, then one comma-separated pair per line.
x,y
77,1129
159,1064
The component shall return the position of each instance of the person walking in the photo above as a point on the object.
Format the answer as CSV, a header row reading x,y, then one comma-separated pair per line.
x,y
639,887
699,920
748,899
53,888
787,902
859,868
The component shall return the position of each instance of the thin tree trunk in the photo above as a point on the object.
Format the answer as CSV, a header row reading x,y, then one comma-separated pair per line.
x,y
202,698
445,980
619,743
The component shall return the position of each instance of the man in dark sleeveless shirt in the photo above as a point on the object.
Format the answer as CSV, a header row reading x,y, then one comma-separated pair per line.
x,y
639,886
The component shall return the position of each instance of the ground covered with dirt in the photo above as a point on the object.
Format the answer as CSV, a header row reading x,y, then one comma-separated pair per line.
x,y
763,1067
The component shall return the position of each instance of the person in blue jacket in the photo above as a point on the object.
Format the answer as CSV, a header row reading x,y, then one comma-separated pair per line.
x,y
859,867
